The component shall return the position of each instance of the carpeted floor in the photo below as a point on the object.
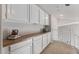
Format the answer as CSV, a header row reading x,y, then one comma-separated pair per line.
x,y
57,47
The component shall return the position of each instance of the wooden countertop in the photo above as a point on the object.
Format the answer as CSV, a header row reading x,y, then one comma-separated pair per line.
x,y
7,42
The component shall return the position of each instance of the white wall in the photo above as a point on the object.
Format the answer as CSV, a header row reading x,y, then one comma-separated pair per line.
x,y
67,21
54,28
23,28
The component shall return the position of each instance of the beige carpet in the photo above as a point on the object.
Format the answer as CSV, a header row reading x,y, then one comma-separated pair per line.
x,y
60,48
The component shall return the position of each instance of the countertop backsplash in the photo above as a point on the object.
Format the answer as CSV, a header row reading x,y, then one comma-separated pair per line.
x,y
23,28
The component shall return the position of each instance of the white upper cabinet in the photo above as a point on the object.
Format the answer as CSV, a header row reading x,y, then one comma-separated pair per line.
x,y
4,11
34,14
46,19
18,12
42,15
25,13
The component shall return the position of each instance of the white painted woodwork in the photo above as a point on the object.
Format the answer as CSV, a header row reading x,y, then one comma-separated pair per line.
x,y
42,17
77,42
28,14
46,19
18,13
34,14
24,47
23,50
37,44
49,37
6,50
34,45
45,40
4,13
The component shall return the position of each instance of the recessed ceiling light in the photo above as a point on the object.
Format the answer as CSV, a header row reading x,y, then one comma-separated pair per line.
x,y
67,4
61,15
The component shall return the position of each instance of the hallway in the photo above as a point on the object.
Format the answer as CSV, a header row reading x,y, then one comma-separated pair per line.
x,y
60,48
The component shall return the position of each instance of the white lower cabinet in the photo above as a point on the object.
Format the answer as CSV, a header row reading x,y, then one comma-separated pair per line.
x,y
37,44
22,47
33,45
49,37
77,43
45,40
22,50
6,50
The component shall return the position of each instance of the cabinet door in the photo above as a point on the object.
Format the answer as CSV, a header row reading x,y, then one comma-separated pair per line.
x,y
77,42
22,47
6,50
18,13
4,11
34,14
42,19
46,19
45,40
37,45
49,38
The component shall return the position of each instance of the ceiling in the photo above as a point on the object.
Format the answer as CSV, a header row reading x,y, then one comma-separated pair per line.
x,y
62,11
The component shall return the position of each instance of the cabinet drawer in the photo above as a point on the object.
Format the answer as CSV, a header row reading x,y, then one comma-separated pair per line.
x,y
37,37
21,44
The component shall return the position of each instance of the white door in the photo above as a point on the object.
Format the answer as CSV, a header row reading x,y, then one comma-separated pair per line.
x,y
37,45
42,17
34,14
18,13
